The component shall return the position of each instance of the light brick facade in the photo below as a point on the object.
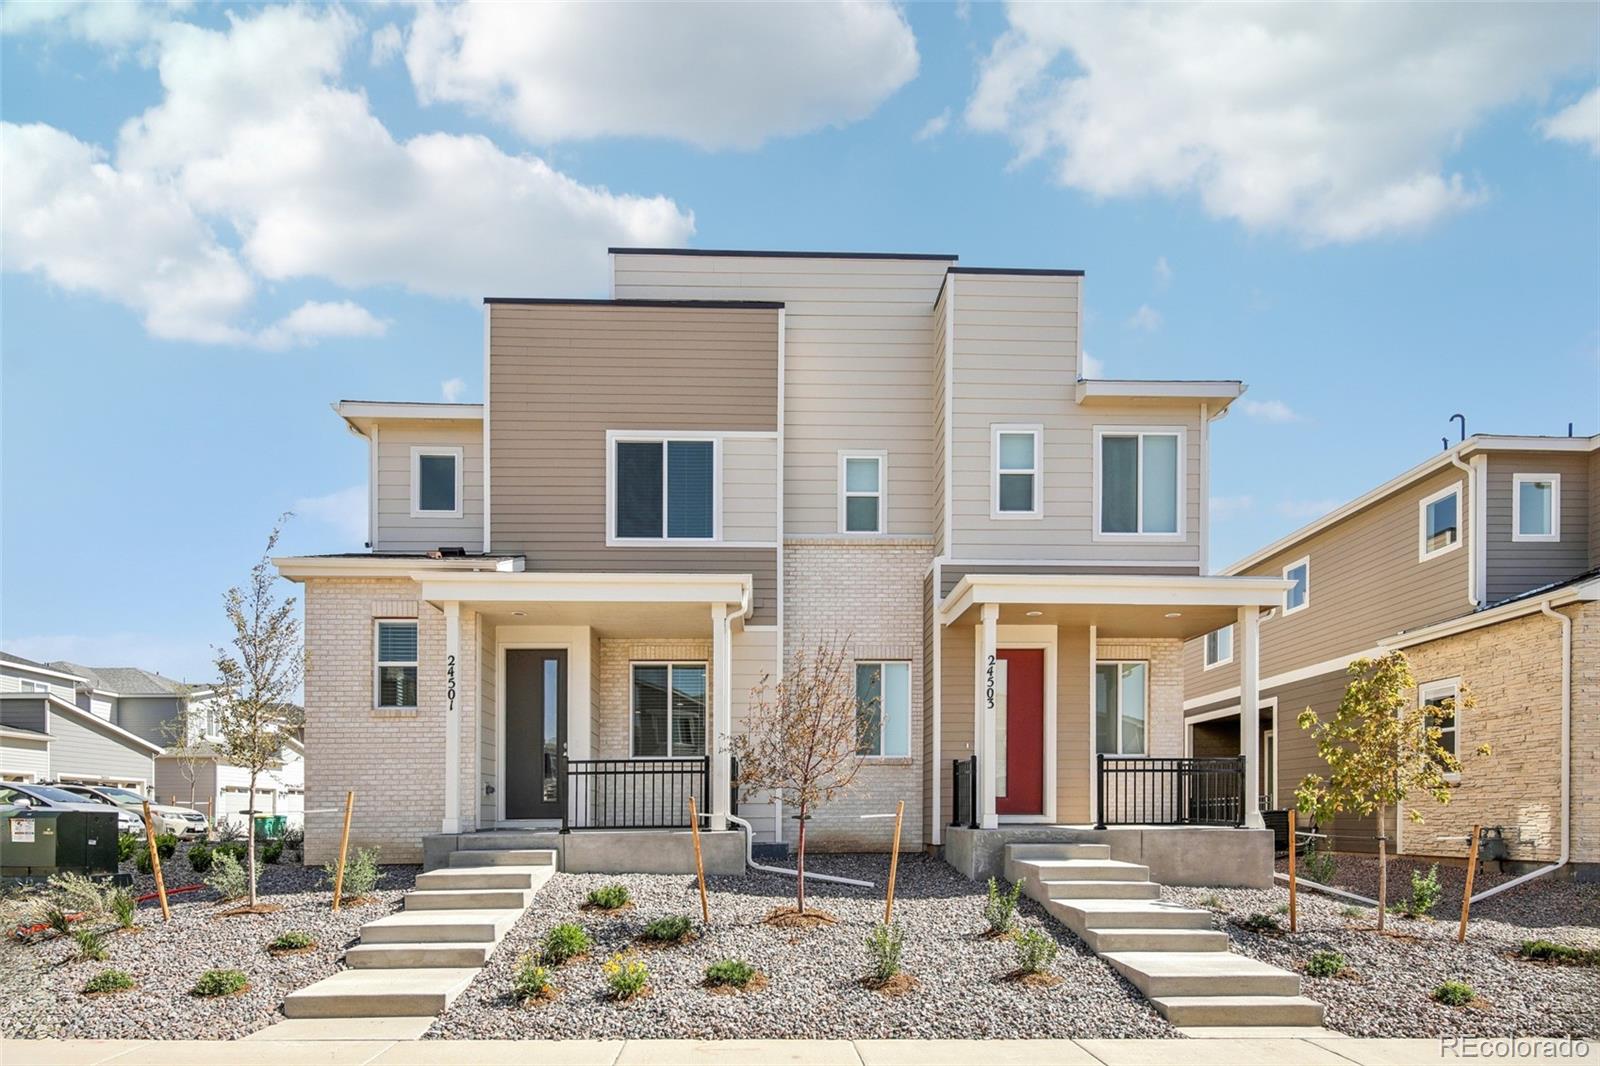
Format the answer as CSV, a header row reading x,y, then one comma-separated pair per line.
x,y
614,700
1164,715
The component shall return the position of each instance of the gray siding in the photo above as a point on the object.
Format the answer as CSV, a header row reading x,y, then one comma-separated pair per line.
x,y
79,748
1514,567
396,529
27,759
24,712
12,675
174,786
143,716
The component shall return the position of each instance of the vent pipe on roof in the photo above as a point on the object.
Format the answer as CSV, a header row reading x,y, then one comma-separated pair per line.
x,y
1463,419
1444,444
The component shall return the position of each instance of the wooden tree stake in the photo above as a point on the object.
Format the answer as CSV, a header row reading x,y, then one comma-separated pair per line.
x,y
155,863
1293,840
344,848
894,861
1466,893
699,864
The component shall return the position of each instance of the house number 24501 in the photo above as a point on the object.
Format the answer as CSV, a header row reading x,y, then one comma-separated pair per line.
x,y
450,680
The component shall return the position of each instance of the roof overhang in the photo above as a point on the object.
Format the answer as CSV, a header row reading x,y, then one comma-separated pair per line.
x,y
361,414
12,733
1583,592
1217,395
666,605
301,567
1118,605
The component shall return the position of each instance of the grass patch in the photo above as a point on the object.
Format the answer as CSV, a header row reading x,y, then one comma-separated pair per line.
x,y
221,983
1560,954
91,945
730,973
108,981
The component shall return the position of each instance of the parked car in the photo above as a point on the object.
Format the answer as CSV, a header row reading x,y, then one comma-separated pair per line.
x,y
52,798
179,821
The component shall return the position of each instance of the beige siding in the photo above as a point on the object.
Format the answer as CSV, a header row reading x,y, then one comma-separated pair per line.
x,y
1594,509
755,659
941,418
1516,566
930,766
396,529
958,699
858,372
750,489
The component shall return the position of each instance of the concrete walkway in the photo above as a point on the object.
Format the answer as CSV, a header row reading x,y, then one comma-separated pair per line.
x,y
1217,1050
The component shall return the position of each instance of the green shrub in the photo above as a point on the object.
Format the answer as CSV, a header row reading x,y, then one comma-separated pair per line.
x,y
735,973
272,851
1453,994
361,873
1036,950
565,941
141,861
230,847
166,846
1424,894
128,846
220,983
200,858
1325,964
293,940
1317,865
78,895
1000,909
109,981
1565,954
91,945
884,945
1350,910
226,877
124,908
531,980
668,930
1260,923
625,977
56,918
610,897
1282,908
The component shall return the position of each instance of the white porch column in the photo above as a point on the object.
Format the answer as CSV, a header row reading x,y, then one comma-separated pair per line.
x,y
452,718
721,715
1247,639
989,739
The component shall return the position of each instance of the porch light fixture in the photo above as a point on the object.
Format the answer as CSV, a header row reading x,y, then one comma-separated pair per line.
x,y
1035,614
519,614
1174,614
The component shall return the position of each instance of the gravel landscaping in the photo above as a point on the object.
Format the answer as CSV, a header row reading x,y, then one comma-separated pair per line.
x,y
1358,873
814,988
41,980
1387,991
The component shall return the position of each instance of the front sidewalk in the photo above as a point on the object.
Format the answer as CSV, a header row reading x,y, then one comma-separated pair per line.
x,y
1215,1050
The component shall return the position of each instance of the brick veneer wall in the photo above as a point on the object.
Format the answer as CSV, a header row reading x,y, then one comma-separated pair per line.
x,y
1164,715
614,700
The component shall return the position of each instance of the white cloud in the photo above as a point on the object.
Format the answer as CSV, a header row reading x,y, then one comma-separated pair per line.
x,y
1269,410
1092,367
452,390
1225,507
1146,318
1163,271
1576,124
1327,120
714,75
387,42
1306,509
112,25
934,127
345,512
313,320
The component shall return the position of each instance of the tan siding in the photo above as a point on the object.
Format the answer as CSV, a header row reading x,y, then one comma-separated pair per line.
x,y
1594,510
930,767
750,489
396,529
941,416
488,727
1072,726
754,659
958,692
1515,567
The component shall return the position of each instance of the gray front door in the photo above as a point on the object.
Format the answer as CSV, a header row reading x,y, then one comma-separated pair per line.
x,y
536,731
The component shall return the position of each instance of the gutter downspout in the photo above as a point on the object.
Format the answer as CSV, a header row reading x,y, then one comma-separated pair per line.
x,y
1566,759
1475,542
750,860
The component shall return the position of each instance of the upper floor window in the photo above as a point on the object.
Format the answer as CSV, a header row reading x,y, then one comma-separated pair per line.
x,y
883,709
1219,647
1014,490
1297,597
669,710
1444,694
1536,507
861,492
435,482
396,669
1120,700
1439,523
663,489
26,685
1138,482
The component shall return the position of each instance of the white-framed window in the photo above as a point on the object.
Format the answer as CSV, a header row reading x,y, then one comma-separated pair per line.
x,y
863,496
663,488
394,682
667,711
1536,508
1138,482
1297,597
1437,694
1439,523
883,709
1219,647
436,482
1016,471
28,685
1121,707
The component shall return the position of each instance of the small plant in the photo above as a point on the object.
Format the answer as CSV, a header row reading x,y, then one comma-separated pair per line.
x,y
668,930
229,830
166,846
1000,909
294,839
124,908
230,847
1035,951
565,941
625,977
293,940
1282,908
226,877
1213,902
1318,865
108,981
1350,910
77,894
531,981
884,945
1564,954
1259,923
128,846
729,973
91,945
221,983
1453,994
610,897
141,862
361,873
272,851
1325,964
200,858
1424,894
57,920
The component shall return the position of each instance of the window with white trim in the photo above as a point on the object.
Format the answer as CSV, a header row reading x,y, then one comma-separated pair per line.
x,y
1439,523
883,709
664,489
32,686
1536,508
1121,706
1219,647
1017,463
861,492
435,482
668,710
395,681
1441,694
1138,482
1297,597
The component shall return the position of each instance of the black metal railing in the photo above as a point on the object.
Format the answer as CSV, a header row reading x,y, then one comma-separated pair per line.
x,y
632,793
964,792
1139,790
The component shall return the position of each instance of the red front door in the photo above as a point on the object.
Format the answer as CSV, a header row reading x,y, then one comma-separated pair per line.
x,y
1024,786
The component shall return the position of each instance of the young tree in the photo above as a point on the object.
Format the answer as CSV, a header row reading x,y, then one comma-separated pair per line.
x,y
186,746
258,673
801,738
1381,746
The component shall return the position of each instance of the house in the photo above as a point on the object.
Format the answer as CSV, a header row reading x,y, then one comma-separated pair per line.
x,y
1483,564
572,588
200,776
55,725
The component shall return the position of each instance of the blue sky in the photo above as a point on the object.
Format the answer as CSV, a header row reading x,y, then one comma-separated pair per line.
x,y
219,220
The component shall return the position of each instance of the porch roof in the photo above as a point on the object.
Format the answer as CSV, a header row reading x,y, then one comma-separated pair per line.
x,y
1118,605
655,604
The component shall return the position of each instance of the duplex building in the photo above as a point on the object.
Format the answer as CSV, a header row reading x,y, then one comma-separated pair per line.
x,y
59,722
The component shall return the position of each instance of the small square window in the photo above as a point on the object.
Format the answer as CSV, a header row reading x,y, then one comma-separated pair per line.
x,y
436,482
1439,523
861,492
1536,508
1297,597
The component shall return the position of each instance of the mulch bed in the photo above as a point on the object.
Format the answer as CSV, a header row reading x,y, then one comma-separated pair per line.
x,y
898,985
609,912
280,953
1030,979
549,994
789,918
756,983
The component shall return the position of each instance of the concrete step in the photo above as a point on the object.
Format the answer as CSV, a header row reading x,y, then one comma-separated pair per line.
x,y
379,993
1058,851
464,899
484,877
1239,1010
1037,870
1163,974
418,956
504,857
1108,940
1082,914
440,927
1070,890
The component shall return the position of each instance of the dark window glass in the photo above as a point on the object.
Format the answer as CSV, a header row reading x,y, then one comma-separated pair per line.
x,y
688,710
649,711
638,489
1441,531
1119,484
861,514
1016,492
436,482
689,491
869,709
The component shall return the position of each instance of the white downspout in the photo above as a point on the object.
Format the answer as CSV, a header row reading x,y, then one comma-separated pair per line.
x,y
750,860
1475,541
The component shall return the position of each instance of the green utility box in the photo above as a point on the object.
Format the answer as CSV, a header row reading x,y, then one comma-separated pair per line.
x,y
42,842
271,826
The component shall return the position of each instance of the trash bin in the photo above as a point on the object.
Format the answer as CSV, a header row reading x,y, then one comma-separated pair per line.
x,y
271,826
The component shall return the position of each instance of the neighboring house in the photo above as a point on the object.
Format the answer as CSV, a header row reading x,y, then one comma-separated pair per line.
x,y
201,778
1483,564
573,587
49,733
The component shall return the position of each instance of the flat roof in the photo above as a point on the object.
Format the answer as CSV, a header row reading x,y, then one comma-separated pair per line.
x,y
1046,272
754,254
756,305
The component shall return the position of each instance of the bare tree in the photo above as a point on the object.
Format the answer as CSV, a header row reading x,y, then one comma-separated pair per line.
x,y
802,738
259,673
186,746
